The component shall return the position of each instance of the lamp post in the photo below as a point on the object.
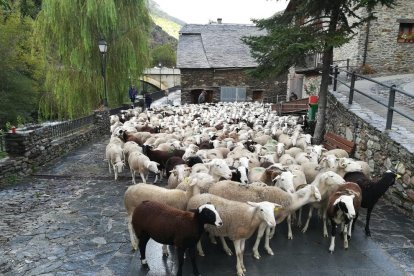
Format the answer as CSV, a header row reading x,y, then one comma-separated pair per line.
x,y
103,47
160,66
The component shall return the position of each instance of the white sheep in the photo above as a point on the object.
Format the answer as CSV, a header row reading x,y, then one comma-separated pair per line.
x,y
240,221
115,157
140,163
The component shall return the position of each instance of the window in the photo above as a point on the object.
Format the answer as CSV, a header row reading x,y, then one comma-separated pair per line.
x,y
233,94
406,32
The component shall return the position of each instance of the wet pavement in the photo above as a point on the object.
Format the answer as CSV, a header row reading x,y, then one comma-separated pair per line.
x,y
69,219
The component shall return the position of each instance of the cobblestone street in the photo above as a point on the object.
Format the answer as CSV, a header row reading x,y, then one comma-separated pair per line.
x,y
69,219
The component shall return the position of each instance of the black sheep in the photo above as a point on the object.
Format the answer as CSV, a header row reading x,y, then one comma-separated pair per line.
x,y
192,160
371,191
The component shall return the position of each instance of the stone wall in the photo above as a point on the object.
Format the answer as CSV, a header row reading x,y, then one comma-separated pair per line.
x,y
33,147
375,146
213,79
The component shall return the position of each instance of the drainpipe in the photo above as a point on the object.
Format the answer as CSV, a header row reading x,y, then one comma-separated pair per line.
x,y
364,57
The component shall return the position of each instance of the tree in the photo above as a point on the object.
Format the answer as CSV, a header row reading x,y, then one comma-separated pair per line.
x,y
69,32
163,54
308,27
21,72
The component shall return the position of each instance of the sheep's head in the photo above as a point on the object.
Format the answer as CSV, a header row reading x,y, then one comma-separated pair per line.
x,y
285,182
153,167
119,166
210,215
345,203
266,211
220,168
243,171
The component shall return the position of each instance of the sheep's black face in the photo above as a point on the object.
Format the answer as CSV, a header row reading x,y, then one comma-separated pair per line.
x,y
344,209
209,215
390,176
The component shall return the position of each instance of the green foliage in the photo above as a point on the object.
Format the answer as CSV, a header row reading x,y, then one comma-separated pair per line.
x,y
21,70
170,27
164,54
69,32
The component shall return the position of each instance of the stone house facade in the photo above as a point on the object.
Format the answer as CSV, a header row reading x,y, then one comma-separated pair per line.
x,y
213,57
385,44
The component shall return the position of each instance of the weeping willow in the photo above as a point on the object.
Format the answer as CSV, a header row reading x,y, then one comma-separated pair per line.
x,y
69,31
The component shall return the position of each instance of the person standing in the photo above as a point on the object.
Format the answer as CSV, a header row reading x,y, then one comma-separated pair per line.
x,y
132,92
147,100
202,97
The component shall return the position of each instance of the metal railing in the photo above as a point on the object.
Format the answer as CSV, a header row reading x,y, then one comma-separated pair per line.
x,y
391,98
2,142
275,99
69,127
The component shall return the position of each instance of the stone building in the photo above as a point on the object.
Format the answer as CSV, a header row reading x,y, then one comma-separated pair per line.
x,y
212,57
385,44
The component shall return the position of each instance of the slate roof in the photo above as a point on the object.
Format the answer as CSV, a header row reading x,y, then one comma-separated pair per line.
x,y
215,46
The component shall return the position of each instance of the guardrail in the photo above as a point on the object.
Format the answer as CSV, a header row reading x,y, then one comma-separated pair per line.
x,y
351,85
68,127
2,142
275,99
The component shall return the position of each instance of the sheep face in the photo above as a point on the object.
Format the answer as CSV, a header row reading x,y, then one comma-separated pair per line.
x,y
285,182
280,149
153,167
266,211
220,168
349,165
209,212
119,166
345,204
243,175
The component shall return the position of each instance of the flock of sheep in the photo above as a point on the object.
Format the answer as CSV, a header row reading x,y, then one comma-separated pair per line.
x,y
233,169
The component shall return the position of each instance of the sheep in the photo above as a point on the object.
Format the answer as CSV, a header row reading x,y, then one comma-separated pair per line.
x,y
343,206
171,163
138,162
240,221
326,182
168,225
293,151
177,175
339,153
161,157
218,168
285,182
129,147
265,175
256,193
192,160
371,191
204,182
115,156
286,159
138,193
240,174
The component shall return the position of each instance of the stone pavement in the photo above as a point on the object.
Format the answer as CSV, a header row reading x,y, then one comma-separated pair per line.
x,y
69,219
402,128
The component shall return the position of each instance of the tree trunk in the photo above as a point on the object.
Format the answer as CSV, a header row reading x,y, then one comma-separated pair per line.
x,y
323,91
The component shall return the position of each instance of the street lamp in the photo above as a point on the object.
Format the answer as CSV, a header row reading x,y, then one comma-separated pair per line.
x,y
103,47
160,65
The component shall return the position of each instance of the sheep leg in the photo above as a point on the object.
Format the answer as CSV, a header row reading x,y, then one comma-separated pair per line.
x,y
142,244
225,246
133,176
333,234
132,236
325,228
260,232
165,250
354,221
239,257
212,238
345,233
242,244
115,172
200,249
109,166
192,253
289,223
367,230
305,228
143,177
267,239
351,224
156,178
180,255
299,221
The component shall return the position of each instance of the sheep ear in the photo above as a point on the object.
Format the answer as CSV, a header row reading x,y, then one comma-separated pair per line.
x,y
254,204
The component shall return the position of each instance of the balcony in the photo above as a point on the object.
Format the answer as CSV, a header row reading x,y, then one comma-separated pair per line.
x,y
312,64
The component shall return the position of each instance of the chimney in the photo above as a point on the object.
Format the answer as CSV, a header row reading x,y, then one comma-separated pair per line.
x,y
219,20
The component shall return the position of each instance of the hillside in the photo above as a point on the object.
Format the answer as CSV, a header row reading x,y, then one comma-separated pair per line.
x,y
169,24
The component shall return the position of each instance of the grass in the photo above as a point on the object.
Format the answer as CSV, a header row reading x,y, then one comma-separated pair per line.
x,y
3,154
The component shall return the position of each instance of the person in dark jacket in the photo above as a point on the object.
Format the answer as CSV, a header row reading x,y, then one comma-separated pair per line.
x,y
132,92
202,97
293,96
147,100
